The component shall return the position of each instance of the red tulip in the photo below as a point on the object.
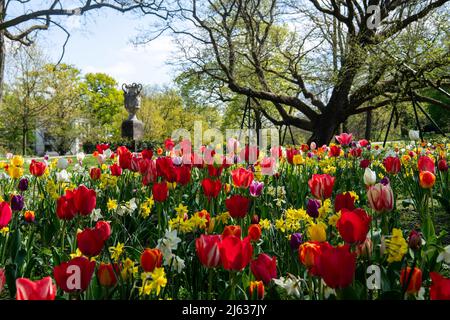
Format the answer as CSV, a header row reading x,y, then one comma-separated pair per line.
x,y
135,161
148,170
5,214
160,191
105,229
95,173
363,143
116,170
353,226
344,201
392,165
74,275
211,188
37,168
235,253
250,154
321,185
106,276
232,231
356,152
207,248
254,232
364,163
214,171
290,153
165,168
414,277
169,144
344,139
91,241
335,151
242,178
151,259
102,147
426,164
442,165
336,266
427,179
124,157
264,268
237,206
65,207
2,279
43,289
183,174
381,197
147,154
308,252
440,287
84,200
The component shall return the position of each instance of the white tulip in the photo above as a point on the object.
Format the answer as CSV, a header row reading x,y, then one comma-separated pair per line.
x,y
370,177
80,156
444,255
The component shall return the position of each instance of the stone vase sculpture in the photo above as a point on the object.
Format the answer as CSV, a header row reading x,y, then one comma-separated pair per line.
x,y
132,128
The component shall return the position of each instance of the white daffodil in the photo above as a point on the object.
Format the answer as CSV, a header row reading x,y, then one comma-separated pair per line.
x,y
63,176
96,215
291,284
444,255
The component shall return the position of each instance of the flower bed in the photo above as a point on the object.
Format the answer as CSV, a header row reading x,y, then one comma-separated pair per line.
x,y
302,222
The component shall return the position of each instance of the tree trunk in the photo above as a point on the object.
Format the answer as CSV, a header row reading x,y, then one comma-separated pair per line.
x,y
2,58
24,140
324,129
368,125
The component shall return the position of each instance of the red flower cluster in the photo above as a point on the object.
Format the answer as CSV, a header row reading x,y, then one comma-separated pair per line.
x,y
80,201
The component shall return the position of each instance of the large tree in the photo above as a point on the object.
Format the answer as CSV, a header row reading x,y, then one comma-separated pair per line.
x,y
21,19
316,62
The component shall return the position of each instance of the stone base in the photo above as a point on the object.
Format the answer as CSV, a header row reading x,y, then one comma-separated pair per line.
x,y
132,129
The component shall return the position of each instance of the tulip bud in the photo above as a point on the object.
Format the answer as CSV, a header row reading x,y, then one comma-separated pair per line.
x,y
442,165
254,232
296,240
23,184
105,275
370,177
29,216
312,208
255,219
17,202
256,290
232,231
415,240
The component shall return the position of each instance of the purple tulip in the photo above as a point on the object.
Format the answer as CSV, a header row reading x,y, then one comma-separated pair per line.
x,y
17,202
296,240
23,184
256,188
312,208
385,181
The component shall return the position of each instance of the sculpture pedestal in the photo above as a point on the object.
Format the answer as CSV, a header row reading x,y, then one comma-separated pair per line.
x,y
132,129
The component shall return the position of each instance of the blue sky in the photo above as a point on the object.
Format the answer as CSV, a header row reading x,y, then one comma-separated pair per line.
x,y
101,42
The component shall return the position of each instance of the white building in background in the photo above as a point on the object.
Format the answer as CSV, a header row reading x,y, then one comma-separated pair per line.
x,y
43,143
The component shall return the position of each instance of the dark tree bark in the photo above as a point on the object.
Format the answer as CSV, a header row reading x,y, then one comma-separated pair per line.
x,y
368,132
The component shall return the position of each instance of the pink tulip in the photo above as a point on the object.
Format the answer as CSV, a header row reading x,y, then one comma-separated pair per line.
x,y
381,197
